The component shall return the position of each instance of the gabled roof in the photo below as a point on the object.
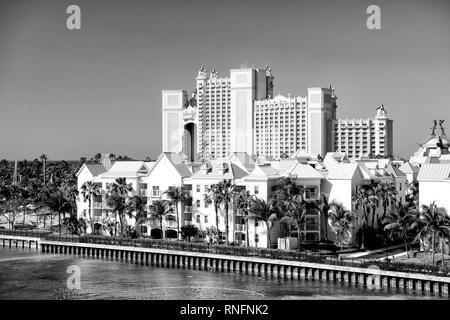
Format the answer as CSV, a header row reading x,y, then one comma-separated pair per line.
x,y
263,171
303,171
408,168
335,157
371,171
233,171
434,172
94,168
300,153
177,161
394,171
283,165
242,159
342,171
126,169
149,164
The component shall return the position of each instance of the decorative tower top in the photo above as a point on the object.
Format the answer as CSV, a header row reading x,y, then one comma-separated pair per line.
x,y
214,73
202,72
268,71
381,112
442,127
433,130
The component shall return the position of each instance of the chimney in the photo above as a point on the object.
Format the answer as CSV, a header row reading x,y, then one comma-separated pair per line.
x,y
106,161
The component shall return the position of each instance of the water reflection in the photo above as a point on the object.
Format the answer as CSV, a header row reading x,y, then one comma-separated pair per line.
x,y
29,274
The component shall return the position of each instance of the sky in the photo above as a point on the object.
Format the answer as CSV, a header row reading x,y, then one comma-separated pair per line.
x,y
73,93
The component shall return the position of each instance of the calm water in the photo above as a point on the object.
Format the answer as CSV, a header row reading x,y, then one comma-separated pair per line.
x,y
29,274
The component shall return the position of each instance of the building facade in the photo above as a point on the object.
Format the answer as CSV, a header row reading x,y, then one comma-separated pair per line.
x,y
239,114
364,137
284,125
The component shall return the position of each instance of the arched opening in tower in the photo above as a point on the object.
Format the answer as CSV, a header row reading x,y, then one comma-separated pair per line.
x,y
189,141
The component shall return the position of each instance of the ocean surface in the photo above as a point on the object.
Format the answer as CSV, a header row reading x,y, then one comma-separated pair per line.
x,y
30,274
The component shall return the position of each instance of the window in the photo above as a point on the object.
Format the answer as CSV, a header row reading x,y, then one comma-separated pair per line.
x,y
84,212
206,188
143,191
256,189
198,188
256,224
198,218
206,219
256,238
198,203
155,191
311,193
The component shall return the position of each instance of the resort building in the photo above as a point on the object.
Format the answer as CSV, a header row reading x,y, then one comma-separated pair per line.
x,y
411,171
435,149
284,125
239,114
434,185
336,178
364,137
218,119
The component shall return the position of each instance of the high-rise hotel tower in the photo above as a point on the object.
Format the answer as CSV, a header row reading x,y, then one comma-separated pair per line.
x,y
364,137
239,114
218,119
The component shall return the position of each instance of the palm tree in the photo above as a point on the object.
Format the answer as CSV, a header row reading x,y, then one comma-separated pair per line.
x,y
324,207
340,220
362,200
387,194
116,196
433,222
177,195
189,231
284,191
443,236
260,210
135,208
296,213
57,200
160,209
242,201
374,193
214,196
44,159
90,190
399,223
227,188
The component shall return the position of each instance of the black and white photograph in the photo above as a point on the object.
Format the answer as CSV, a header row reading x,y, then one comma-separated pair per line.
x,y
236,152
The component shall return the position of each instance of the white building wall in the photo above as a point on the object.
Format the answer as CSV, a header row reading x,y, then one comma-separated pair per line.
x,y
82,204
438,191
173,102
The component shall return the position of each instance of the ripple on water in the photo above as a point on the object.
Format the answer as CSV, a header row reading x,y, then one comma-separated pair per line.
x,y
203,293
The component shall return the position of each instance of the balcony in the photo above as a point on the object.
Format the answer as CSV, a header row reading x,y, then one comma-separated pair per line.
x,y
171,224
154,224
97,219
156,194
143,192
97,205
240,227
187,209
